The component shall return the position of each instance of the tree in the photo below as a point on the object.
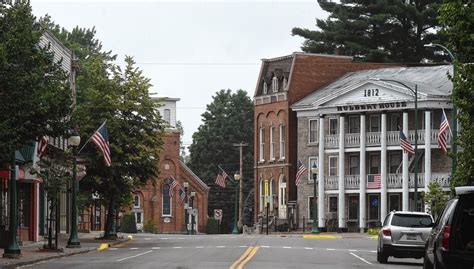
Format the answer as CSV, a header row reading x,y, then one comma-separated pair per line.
x,y
435,198
376,30
457,20
227,120
135,131
35,96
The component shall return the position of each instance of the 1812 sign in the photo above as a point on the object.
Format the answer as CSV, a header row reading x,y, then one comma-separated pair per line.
x,y
371,92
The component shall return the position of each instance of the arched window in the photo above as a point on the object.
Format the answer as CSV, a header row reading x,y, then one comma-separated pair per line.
x,y
275,84
136,201
265,87
166,204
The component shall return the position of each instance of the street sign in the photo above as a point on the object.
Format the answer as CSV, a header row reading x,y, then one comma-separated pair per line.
x,y
218,214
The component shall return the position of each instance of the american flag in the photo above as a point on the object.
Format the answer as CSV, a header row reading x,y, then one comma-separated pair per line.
x,y
302,170
182,195
173,185
42,145
405,143
220,179
373,181
101,140
443,133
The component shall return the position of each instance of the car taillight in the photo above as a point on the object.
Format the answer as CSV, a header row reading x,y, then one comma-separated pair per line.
x,y
387,232
446,235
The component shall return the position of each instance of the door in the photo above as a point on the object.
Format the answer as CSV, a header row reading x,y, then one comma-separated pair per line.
x,y
282,198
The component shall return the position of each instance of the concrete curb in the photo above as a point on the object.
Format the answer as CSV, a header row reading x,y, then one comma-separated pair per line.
x,y
62,255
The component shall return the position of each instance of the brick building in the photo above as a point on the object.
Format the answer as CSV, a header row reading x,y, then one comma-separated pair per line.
x,y
153,202
350,131
282,82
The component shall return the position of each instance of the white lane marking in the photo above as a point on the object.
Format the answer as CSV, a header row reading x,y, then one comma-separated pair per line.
x,y
360,258
264,246
353,250
242,246
220,246
200,247
308,248
155,248
113,248
133,248
134,256
330,249
177,247
286,247
164,238
373,251
147,238
180,238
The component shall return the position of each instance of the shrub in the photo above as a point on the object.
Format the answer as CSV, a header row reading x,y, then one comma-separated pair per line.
x,y
212,226
129,224
150,226
373,231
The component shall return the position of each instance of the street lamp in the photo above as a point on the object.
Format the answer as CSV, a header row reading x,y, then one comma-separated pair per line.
x,y
415,92
192,209
314,171
454,146
12,250
236,178
73,241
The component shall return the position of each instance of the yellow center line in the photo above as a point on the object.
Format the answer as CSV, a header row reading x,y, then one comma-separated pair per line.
x,y
242,260
247,259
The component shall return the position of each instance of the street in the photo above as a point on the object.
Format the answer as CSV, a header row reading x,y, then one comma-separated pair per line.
x,y
234,251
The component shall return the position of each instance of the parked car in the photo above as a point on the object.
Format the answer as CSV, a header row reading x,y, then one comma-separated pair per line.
x,y
451,243
403,235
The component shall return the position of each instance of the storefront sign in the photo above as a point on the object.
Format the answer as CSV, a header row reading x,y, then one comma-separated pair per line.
x,y
379,106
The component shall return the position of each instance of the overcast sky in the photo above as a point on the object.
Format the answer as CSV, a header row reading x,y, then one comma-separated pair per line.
x,y
191,49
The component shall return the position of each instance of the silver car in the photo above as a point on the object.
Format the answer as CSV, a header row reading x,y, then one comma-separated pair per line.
x,y
403,235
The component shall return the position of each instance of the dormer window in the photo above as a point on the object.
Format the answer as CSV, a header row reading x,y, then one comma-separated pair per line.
x,y
275,84
265,88
285,84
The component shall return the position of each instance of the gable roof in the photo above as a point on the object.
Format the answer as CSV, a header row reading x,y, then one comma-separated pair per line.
x,y
195,177
431,81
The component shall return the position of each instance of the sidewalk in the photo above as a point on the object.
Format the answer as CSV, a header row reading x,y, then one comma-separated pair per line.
x,y
33,252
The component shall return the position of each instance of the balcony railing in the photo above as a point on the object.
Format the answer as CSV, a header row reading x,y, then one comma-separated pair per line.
x,y
374,139
394,181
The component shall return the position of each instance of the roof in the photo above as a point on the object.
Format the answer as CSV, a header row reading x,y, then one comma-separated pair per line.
x,y
196,178
431,81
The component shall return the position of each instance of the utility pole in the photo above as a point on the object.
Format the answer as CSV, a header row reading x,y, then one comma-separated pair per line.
x,y
240,145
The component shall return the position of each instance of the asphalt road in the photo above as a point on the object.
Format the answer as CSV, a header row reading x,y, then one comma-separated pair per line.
x,y
229,251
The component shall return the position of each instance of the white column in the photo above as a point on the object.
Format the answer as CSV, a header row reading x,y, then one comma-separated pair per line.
x,y
383,168
405,193
321,207
341,207
363,177
427,152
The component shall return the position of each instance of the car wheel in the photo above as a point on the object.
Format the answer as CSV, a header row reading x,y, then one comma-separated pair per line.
x,y
381,257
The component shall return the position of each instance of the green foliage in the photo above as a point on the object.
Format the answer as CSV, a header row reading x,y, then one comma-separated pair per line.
x,y
129,224
212,226
435,198
150,226
35,95
457,20
227,120
376,30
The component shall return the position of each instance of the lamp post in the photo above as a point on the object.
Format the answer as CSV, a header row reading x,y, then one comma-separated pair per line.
x,y
454,146
186,206
73,241
12,250
415,92
236,214
314,171
193,194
